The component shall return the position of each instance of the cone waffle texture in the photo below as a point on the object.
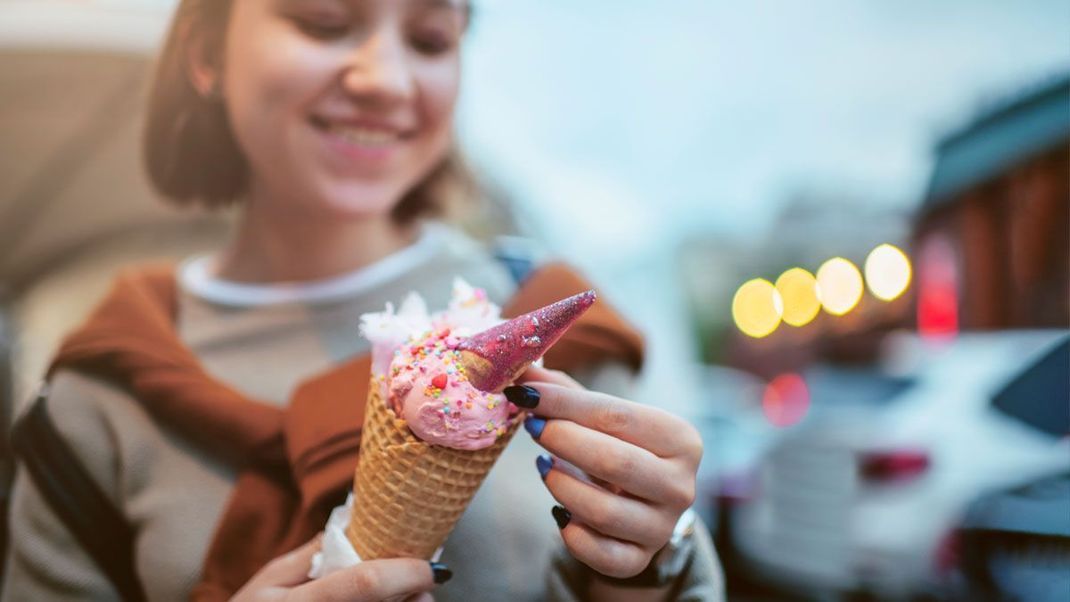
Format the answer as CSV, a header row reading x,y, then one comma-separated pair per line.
x,y
409,493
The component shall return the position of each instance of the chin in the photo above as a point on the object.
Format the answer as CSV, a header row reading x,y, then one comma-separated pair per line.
x,y
361,200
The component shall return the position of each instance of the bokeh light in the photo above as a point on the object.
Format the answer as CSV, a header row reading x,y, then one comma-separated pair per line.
x,y
757,308
798,290
839,286
786,400
888,272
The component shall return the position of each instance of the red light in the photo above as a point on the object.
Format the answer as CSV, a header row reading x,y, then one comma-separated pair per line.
x,y
938,311
893,466
786,400
938,289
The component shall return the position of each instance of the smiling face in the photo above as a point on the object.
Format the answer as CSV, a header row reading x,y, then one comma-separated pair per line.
x,y
341,106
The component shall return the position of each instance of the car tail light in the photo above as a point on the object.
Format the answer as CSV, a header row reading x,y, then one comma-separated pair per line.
x,y
893,465
948,553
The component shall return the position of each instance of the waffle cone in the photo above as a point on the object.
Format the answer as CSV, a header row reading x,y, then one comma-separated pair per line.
x,y
410,493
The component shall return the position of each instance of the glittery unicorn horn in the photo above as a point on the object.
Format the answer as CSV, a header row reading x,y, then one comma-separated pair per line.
x,y
495,357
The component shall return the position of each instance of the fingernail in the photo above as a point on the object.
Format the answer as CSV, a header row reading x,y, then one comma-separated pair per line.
x,y
561,515
544,463
442,573
534,425
523,396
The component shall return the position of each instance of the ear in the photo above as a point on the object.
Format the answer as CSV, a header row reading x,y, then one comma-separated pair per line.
x,y
203,65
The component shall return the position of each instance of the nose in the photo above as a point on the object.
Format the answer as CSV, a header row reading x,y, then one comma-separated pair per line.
x,y
378,69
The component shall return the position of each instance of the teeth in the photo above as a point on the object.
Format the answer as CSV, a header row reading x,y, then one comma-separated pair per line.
x,y
364,136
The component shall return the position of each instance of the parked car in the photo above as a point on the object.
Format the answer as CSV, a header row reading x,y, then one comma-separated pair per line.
x,y
867,500
1014,544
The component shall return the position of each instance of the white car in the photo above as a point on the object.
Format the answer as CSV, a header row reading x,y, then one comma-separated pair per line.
x,y
867,501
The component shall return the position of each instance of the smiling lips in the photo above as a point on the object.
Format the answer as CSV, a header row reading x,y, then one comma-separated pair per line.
x,y
361,133
363,136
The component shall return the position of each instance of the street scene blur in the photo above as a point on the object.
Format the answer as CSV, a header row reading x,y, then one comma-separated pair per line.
x,y
842,225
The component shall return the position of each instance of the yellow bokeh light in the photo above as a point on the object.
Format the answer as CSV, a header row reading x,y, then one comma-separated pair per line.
x,y
757,308
887,272
798,289
839,286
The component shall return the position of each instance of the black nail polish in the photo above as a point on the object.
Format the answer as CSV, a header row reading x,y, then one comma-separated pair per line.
x,y
561,515
523,396
441,572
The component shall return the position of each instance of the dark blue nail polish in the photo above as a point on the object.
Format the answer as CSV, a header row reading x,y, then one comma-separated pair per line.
x,y
544,463
522,396
534,425
561,516
441,573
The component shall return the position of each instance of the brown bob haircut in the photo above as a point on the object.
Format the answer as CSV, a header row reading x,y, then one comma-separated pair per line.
x,y
190,151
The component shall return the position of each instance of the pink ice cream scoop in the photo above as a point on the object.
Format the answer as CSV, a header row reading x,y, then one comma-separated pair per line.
x,y
448,389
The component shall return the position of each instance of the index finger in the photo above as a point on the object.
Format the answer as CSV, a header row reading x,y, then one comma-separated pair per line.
x,y
373,580
539,374
652,429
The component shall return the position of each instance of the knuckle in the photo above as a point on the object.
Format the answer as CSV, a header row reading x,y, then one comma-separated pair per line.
x,y
681,494
691,443
365,579
609,518
615,417
615,465
622,562
638,563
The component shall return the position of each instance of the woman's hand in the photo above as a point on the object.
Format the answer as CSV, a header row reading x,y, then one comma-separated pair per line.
x,y
285,579
641,463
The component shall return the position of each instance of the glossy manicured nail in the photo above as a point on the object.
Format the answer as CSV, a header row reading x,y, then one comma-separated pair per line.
x,y
544,463
442,573
561,516
523,396
534,425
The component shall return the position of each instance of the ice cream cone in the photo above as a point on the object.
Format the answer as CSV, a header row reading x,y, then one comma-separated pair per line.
x,y
409,493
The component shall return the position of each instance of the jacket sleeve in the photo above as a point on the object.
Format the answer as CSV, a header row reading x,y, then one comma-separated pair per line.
x,y
44,560
702,580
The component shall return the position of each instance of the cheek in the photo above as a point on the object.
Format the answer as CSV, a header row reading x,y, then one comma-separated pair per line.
x,y
439,87
267,75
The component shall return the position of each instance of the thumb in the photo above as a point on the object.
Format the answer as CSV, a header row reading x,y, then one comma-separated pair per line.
x,y
374,580
292,568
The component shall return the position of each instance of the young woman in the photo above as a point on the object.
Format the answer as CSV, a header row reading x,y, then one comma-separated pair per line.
x,y
330,123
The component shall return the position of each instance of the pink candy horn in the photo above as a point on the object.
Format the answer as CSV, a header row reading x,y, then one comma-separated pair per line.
x,y
495,357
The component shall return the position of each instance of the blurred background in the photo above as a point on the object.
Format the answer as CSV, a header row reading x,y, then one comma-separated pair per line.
x,y
844,226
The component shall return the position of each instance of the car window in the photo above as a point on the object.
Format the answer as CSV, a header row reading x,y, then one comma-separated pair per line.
x,y
1040,395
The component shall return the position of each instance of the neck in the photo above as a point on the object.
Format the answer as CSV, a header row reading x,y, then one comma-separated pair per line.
x,y
293,246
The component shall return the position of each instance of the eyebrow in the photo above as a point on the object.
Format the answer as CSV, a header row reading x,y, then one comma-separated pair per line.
x,y
463,7
459,4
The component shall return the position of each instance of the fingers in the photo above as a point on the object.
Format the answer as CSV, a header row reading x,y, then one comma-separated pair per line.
x,y
373,580
557,377
649,428
620,517
290,569
627,466
606,555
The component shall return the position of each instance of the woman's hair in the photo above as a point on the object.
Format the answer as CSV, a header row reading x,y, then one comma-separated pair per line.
x,y
190,150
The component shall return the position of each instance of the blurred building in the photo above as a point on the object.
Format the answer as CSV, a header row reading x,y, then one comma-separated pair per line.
x,y
992,237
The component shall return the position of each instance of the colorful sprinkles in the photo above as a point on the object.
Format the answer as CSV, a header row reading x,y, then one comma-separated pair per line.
x,y
440,346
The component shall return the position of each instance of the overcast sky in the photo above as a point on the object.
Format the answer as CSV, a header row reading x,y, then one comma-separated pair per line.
x,y
683,115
